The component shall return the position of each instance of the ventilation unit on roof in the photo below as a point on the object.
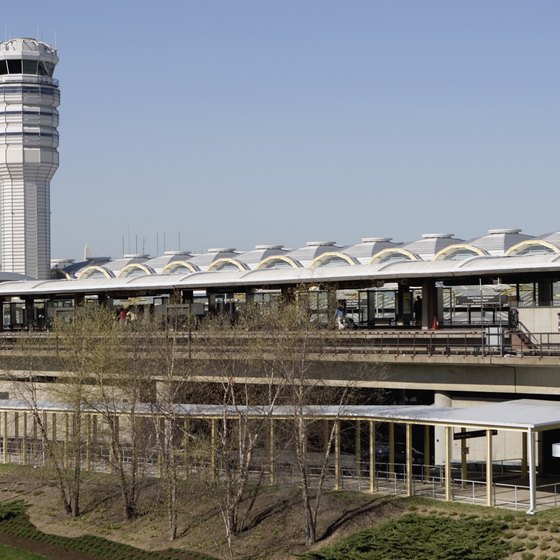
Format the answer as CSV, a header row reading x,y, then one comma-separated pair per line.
x,y
437,235
221,250
503,231
175,253
267,247
320,243
377,239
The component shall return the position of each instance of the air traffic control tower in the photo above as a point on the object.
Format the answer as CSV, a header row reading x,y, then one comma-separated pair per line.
x,y
29,97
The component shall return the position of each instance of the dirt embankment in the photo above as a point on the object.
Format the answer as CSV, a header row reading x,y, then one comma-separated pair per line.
x,y
274,528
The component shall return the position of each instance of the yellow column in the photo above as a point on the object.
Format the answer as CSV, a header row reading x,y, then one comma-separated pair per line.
x,y
16,434
213,447
448,457
371,456
88,442
94,430
358,449
34,437
186,446
271,450
391,447
523,453
53,428
337,455
408,460
24,454
463,456
426,452
65,444
5,438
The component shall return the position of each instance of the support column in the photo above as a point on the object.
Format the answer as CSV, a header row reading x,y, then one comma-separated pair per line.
x,y
337,454
531,452
426,452
5,438
66,434
24,441
409,489
16,435
358,449
404,305
544,293
489,473
213,448
463,456
371,456
271,450
391,465
432,304
53,426
448,457
29,313
523,453
88,442
186,447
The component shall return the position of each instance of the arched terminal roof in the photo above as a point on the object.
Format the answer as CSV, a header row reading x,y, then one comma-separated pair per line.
x,y
306,255
368,247
430,244
261,252
112,268
498,241
203,261
158,264
474,267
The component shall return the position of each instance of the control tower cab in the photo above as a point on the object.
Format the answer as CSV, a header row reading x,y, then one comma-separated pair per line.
x,y
29,97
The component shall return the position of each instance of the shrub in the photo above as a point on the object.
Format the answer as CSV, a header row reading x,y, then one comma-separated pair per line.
x,y
421,537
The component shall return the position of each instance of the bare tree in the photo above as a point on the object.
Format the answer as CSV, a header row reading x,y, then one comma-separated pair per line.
x,y
245,412
292,352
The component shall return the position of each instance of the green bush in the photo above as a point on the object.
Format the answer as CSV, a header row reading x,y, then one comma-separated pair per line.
x,y
531,544
422,538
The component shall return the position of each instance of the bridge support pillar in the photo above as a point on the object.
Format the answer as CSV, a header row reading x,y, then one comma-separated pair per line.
x,y
432,304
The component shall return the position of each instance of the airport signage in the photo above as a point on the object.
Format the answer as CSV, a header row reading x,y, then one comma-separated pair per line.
x,y
472,434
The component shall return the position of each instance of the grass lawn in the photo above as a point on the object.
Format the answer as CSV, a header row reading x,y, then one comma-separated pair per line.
x,y
10,553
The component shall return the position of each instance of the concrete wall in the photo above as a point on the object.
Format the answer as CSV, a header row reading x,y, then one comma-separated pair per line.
x,y
540,319
507,446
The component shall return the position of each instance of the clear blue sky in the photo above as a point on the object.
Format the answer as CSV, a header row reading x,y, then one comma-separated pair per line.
x,y
240,122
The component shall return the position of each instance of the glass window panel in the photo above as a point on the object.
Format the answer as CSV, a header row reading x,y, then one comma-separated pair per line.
x,y
14,66
3,67
42,69
30,67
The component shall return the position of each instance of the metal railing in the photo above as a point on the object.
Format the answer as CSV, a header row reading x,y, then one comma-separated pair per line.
x,y
442,343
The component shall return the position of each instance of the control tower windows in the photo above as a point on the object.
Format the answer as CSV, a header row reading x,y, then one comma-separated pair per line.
x,y
29,66
14,66
35,67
